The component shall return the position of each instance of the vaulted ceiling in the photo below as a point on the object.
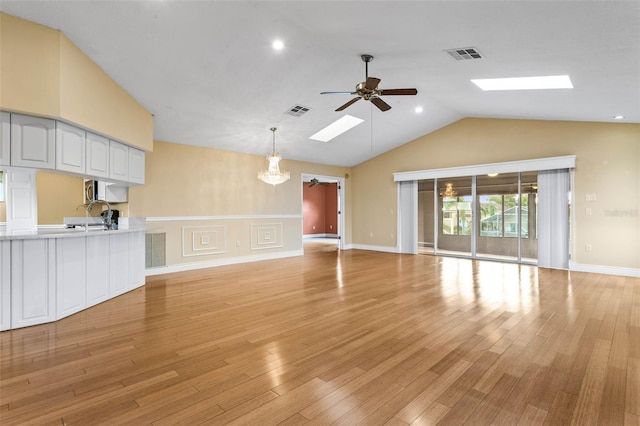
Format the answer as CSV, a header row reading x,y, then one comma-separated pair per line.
x,y
209,74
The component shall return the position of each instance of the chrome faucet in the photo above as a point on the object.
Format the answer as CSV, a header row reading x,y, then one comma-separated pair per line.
x,y
106,219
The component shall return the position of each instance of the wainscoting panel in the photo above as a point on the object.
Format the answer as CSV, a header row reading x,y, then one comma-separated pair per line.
x,y
266,236
203,240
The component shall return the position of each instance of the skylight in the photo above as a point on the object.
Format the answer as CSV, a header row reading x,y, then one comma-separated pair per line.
x,y
525,83
336,128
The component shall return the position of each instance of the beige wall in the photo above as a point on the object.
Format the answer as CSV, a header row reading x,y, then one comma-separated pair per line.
x,y
183,181
30,67
58,197
608,165
43,73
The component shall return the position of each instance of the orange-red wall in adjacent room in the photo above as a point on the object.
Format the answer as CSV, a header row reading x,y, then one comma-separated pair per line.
x,y
320,209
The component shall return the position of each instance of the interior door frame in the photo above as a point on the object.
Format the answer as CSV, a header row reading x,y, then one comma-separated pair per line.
x,y
341,203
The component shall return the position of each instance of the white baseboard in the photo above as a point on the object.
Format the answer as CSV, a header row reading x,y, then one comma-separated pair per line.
x,y
312,236
600,269
180,267
385,249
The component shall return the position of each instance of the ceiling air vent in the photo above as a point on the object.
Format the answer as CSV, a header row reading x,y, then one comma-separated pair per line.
x,y
465,53
297,110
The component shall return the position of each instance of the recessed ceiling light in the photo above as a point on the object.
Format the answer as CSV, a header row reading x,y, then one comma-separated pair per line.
x,y
336,128
525,83
278,45
618,117
418,109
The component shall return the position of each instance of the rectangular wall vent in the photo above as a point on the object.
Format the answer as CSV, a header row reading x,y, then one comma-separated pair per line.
x,y
155,250
465,53
297,110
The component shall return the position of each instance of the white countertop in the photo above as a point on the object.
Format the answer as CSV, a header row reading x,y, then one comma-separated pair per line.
x,y
63,233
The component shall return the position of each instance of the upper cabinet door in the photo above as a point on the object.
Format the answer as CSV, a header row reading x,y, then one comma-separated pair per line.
x,y
70,146
32,142
97,155
5,138
136,166
118,161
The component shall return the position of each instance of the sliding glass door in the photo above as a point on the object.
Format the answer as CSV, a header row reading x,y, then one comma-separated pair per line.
x,y
455,218
515,211
485,217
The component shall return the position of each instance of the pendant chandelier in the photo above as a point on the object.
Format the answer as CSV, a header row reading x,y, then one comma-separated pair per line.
x,y
273,175
449,191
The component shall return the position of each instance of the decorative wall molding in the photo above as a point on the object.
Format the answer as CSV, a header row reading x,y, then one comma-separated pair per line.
x,y
221,262
266,236
204,240
225,217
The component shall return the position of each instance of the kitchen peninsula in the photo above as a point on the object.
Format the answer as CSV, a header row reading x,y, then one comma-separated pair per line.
x,y
49,274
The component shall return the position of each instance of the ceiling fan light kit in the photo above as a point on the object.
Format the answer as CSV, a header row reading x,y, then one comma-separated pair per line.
x,y
368,90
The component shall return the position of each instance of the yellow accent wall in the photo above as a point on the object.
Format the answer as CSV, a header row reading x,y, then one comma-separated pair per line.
x,y
44,73
607,164
29,67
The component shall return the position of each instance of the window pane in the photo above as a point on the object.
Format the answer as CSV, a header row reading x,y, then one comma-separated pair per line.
x,y
455,219
464,215
529,216
497,198
510,215
490,215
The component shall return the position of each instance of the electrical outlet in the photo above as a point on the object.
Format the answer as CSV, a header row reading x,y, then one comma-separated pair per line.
x,y
587,247
593,197
371,234
587,211
238,243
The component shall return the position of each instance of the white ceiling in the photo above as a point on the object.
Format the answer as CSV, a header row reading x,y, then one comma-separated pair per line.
x,y
207,71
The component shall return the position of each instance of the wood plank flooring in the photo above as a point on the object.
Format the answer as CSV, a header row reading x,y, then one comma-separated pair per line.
x,y
351,337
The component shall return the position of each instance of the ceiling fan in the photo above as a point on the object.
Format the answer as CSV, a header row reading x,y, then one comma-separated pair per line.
x,y
316,181
368,90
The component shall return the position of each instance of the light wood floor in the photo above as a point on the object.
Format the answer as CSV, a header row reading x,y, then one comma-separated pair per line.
x,y
338,337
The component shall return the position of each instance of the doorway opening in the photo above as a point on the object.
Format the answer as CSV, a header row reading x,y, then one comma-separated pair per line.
x,y
322,215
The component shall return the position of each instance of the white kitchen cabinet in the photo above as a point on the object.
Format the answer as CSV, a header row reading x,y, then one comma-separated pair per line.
x,y
33,142
22,200
119,264
5,139
71,276
97,156
33,298
136,165
5,285
97,269
70,148
136,260
118,161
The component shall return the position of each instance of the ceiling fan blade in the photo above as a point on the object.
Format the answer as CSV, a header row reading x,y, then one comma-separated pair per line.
x,y
352,101
371,83
382,105
338,93
399,92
